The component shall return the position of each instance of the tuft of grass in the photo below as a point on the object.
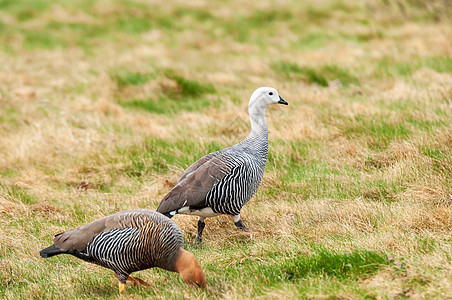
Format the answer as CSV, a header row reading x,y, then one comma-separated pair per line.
x,y
184,95
317,14
8,117
334,72
415,10
378,132
24,11
313,76
290,70
19,194
158,155
437,154
123,77
389,67
313,40
165,105
187,87
243,28
319,178
276,267
320,76
40,39
357,263
196,14
132,24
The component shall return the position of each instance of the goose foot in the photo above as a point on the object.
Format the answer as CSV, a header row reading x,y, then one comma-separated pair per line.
x,y
242,226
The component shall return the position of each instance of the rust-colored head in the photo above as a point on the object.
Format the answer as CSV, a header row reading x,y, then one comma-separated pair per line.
x,y
189,269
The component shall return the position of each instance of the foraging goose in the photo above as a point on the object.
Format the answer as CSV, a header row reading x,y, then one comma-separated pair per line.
x,y
223,181
130,241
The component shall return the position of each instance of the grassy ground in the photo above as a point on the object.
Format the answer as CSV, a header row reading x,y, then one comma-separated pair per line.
x,y
103,104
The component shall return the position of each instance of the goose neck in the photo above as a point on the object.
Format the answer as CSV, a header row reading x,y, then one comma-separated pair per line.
x,y
258,123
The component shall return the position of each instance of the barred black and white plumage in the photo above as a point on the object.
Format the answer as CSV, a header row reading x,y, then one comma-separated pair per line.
x,y
130,241
245,172
222,182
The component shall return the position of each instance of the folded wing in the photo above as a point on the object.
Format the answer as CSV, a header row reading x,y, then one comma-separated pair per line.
x,y
78,238
197,181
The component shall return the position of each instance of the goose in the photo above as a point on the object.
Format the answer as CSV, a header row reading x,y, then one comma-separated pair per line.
x,y
130,241
222,182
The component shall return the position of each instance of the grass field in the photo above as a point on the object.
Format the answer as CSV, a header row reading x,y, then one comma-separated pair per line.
x,y
103,104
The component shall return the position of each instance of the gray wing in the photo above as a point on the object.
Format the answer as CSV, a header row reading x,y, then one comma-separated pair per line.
x,y
78,238
197,181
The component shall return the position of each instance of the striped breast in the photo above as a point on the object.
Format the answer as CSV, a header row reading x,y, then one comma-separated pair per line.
x,y
231,193
152,241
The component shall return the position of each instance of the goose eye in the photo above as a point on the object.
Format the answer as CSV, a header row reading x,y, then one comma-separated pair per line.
x,y
271,93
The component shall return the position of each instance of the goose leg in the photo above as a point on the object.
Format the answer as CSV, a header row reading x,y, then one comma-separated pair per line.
x,y
122,278
238,222
122,288
137,281
201,225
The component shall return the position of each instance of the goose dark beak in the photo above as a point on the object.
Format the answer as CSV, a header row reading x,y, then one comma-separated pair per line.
x,y
282,101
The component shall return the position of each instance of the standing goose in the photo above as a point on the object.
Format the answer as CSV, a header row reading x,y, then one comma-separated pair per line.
x,y
130,241
223,181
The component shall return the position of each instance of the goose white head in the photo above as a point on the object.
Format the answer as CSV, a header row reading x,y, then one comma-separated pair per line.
x,y
260,99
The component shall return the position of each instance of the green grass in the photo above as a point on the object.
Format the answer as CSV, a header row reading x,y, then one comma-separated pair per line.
x,y
321,179
244,28
8,117
41,39
275,271
24,11
123,77
165,105
312,41
440,64
185,95
131,19
131,24
380,133
279,268
18,194
419,11
435,153
320,76
157,155
187,87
